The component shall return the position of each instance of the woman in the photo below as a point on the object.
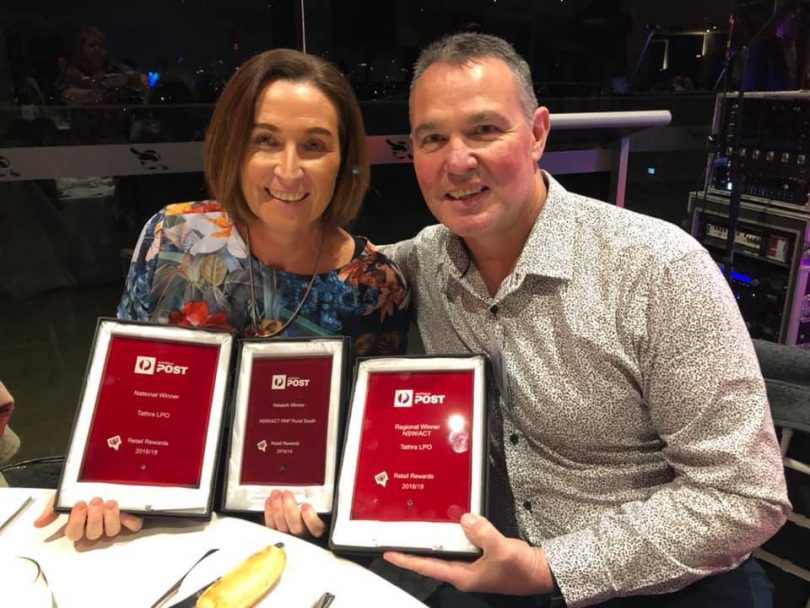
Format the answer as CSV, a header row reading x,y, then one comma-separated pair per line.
x,y
285,158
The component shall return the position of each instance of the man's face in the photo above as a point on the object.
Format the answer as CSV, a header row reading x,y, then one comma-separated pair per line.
x,y
475,150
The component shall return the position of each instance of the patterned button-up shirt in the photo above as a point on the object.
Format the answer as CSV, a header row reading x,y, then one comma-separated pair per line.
x,y
632,425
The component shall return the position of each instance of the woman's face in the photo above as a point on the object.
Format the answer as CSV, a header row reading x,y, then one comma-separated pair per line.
x,y
293,157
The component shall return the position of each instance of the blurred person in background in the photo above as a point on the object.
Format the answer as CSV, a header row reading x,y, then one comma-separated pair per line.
x,y
91,76
777,58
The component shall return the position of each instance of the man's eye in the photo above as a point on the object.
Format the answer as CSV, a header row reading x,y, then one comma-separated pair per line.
x,y
432,139
486,130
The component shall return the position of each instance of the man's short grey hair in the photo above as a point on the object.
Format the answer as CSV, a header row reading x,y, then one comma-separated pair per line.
x,y
460,49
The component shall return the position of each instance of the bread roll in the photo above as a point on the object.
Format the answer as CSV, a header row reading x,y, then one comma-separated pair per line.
x,y
243,586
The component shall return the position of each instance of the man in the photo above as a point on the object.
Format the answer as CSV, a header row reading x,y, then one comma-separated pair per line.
x,y
633,439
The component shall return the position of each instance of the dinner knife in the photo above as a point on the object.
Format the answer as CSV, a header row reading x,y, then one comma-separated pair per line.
x,y
27,503
191,600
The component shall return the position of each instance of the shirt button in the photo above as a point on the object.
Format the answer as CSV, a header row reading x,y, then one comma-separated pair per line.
x,y
494,309
527,505
514,438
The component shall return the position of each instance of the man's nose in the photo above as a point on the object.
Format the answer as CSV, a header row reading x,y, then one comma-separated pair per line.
x,y
460,158
289,164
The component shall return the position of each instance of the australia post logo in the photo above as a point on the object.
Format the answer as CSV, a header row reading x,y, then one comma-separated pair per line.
x,y
281,381
150,366
407,397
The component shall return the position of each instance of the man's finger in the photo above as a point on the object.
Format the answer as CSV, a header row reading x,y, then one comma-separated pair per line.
x,y
313,522
74,529
94,527
48,514
112,518
480,531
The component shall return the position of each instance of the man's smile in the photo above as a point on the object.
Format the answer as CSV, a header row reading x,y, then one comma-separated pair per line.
x,y
466,193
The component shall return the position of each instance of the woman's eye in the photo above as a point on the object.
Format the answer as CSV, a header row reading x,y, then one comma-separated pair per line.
x,y
314,146
263,140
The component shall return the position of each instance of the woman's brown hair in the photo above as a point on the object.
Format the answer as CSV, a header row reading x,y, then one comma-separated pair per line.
x,y
232,122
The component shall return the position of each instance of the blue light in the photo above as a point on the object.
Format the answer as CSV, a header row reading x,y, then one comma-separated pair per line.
x,y
153,78
729,186
743,278
650,170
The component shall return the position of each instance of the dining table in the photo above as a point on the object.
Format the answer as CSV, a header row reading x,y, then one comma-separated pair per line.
x,y
135,569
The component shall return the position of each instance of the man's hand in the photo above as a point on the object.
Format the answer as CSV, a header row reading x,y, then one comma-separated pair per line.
x,y
283,513
508,566
92,520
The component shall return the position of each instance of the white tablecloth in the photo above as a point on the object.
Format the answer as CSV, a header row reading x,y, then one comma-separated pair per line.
x,y
134,570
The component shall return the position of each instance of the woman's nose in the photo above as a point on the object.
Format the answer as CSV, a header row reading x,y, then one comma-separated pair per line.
x,y
289,164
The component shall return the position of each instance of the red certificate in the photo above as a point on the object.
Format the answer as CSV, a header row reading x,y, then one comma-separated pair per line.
x,y
287,419
414,459
151,416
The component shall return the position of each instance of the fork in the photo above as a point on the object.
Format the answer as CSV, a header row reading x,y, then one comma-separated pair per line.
x,y
324,601
40,576
174,588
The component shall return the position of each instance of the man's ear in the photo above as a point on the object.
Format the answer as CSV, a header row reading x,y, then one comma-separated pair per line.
x,y
541,123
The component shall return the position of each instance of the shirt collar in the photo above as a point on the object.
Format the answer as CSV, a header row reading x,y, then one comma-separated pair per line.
x,y
457,256
549,249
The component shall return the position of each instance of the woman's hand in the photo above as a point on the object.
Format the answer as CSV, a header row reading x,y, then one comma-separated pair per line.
x,y
282,513
91,521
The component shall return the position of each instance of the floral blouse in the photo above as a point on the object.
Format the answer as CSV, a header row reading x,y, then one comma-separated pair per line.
x,y
190,267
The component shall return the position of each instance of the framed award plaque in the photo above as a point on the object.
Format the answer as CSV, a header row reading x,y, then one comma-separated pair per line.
x,y
286,421
414,458
148,425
